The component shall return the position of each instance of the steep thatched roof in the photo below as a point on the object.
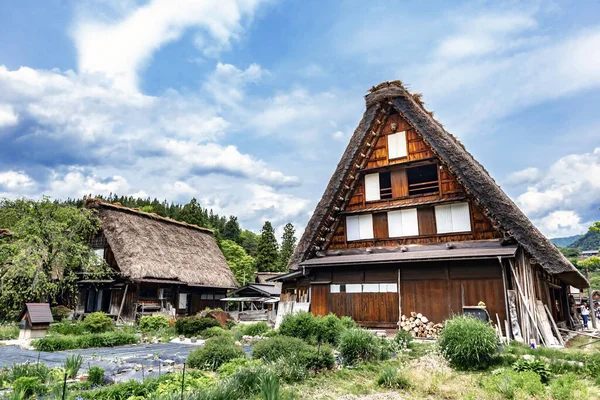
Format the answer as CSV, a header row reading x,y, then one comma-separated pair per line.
x,y
502,211
150,246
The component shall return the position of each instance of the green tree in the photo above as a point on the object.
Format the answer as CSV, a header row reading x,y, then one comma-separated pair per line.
x,y
593,263
267,258
249,241
232,230
48,249
595,280
288,244
241,264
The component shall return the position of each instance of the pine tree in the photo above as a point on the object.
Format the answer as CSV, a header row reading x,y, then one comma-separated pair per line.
x,y
267,259
288,244
232,230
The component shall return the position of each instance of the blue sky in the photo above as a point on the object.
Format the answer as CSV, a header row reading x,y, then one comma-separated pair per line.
x,y
247,105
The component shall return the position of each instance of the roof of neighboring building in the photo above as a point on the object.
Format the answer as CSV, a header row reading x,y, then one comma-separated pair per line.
x,y
149,247
264,289
479,185
39,313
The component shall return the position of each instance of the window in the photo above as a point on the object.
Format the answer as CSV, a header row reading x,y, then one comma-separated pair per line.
x,y
453,218
207,296
397,145
359,227
422,180
219,296
183,301
378,186
353,288
371,288
388,288
403,223
365,288
334,288
148,293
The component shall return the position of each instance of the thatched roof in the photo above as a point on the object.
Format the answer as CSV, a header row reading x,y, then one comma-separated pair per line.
x,y
481,188
150,246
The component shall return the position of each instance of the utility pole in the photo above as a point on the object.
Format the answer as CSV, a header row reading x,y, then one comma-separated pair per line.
x,y
590,300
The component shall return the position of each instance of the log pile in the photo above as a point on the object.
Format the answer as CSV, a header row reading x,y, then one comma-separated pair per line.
x,y
420,326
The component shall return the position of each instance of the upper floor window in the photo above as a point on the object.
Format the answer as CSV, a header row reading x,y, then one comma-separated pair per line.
x,y
359,227
453,218
403,223
397,145
423,179
378,186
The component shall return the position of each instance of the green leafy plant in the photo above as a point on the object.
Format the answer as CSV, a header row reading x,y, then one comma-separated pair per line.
x,y
246,382
277,347
534,365
108,339
29,386
256,329
270,387
9,331
348,322
392,379
215,331
468,343
512,384
301,325
231,366
568,387
403,338
215,352
98,322
96,376
68,328
72,365
150,323
193,326
358,345
60,313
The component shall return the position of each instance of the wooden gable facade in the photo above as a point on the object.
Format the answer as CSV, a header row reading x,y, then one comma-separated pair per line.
x,y
410,222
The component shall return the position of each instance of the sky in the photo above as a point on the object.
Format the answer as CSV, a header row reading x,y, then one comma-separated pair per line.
x,y
247,105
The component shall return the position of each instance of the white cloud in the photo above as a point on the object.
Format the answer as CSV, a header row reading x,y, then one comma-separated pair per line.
x,y
567,196
8,117
226,84
120,49
525,176
15,181
338,135
78,183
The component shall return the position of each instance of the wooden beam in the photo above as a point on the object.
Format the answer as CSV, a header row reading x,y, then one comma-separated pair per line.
x,y
122,301
559,337
526,306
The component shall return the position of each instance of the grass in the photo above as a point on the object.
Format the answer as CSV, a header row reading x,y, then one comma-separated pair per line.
x,y
9,331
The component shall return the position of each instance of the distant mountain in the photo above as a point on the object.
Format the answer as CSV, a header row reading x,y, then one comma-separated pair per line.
x,y
589,241
565,241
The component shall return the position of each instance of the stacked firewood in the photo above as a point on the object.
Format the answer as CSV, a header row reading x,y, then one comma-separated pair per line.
x,y
419,326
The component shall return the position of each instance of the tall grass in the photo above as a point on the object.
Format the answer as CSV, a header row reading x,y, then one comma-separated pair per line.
x,y
468,343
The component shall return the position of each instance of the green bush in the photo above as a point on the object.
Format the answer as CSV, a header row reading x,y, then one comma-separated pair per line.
x,y
122,391
9,331
569,387
392,379
313,329
150,323
96,376
275,348
29,386
534,365
68,328
215,352
108,339
246,382
468,343
512,384
329,329
98,322
60,313
358,345
215,331
348,322
256,329
193,326
315,358
37,370
72,365
231,366
403,338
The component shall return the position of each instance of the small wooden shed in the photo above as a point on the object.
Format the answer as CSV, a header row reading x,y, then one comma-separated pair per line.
x,y
35,320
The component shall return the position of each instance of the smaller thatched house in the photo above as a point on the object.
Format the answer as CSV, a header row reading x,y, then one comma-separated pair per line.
x,y
161,265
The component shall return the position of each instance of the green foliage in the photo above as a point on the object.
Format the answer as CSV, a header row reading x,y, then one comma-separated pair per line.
x,y
232,230
589,241
391,379
255,329
312,329
570,252
358,345
98,322
564,241
270,387
329,329
123,391
215,352
194,380
295,352
592,263
267,257
29,386
569,387
288,245
231,366
240,263
9,331
68,328
193,326
348,322
595,280
246,382
96,376
72,365
108,339
150,323
468,343
60,313
249,241
403,338
215,331
49,241
37,370
534,365
512,384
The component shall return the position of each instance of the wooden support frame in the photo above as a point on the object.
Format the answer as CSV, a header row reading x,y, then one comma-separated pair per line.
x,y
526,306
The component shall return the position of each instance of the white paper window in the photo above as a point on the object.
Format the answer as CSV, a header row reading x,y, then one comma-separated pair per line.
x,y
334,288
388,288
372,191
99,253
397,145
371,288
453,218
403,223
183,300
359,227
353,288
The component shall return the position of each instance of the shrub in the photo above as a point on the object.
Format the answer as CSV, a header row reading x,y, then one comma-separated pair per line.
x,y
246,382
314,358
358,345
468,343
256,329
60,313
214,353
302,325
150,323
215,331
37,370
348,322
403,338
98,322
329,329
534,365
275,348
231,366
390,378
68,328
9,331
29,386
511,384
108,339
96,376
72,365
193,326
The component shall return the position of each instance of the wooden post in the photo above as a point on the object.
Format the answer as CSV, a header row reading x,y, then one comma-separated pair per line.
x,y
527,309
558,336
399,299
122,302
504,283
